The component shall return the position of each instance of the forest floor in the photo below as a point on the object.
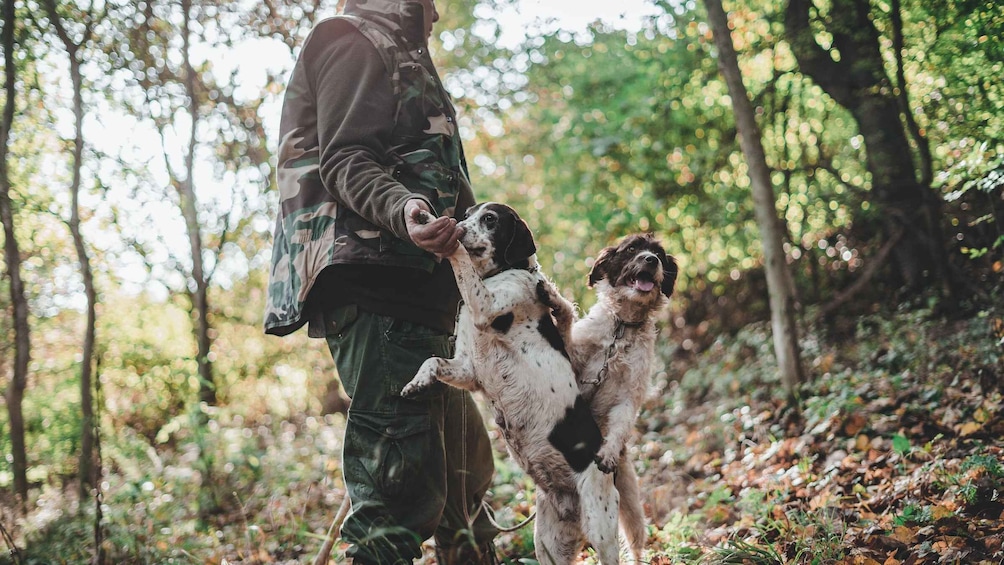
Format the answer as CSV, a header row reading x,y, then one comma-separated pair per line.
x,y
894,456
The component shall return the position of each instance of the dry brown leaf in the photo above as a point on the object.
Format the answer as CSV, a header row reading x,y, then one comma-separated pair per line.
x,y
855,423
969,428
862,442
942,511
982,415
821,500
904,535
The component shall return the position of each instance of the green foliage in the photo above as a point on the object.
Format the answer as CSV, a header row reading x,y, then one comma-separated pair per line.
x,y
674,540
590,136
976,183
913,514
744,361
739,552
901,444
976,481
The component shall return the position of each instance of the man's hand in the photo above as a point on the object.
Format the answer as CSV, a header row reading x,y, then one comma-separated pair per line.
x,y
436,235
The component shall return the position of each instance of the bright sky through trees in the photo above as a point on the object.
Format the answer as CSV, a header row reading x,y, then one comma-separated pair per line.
x,y
254,59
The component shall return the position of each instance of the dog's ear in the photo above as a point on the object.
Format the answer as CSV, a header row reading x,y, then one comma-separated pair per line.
x,y
521,245
599,269
669,272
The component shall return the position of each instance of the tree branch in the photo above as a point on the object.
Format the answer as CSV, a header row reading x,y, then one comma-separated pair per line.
x,y
871,268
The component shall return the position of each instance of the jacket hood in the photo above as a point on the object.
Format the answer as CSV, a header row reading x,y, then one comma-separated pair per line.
x,y
405,16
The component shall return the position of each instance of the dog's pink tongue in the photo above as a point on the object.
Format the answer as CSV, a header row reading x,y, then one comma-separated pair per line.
x,y
644,286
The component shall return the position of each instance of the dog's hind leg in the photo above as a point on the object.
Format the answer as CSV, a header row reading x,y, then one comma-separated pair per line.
x,y
600,501
556,541
632,516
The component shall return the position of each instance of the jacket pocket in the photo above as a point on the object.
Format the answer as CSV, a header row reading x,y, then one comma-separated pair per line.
x,y
338,320
423,173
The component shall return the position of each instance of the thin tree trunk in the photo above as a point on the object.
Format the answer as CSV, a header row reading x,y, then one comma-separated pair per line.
x,y
86,465
186,193
99,556
782,302
12,255
85,470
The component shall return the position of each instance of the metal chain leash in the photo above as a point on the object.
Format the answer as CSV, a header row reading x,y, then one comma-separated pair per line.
x,y
619,330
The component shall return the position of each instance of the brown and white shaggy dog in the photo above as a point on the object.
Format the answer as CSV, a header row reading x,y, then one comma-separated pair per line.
x,y
612,349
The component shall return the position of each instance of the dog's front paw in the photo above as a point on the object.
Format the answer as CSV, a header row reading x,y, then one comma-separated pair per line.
x,y
414,388
606,464
547,294
424,378
606,459
544,294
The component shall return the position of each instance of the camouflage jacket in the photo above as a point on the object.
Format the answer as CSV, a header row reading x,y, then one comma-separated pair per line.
x,y
348,159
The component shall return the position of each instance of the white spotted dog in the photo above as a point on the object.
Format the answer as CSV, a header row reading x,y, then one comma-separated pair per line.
x,y
509,348
612,349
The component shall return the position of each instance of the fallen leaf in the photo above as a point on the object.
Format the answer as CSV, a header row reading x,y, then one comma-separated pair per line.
x,y
855,423
904,535
862,442
942,511
969,428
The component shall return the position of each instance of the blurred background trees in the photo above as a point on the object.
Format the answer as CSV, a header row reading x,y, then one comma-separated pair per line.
x,y
136,193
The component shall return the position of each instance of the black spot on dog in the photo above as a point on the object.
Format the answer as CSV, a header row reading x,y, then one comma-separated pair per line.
x,y
550,333
577,436
502,323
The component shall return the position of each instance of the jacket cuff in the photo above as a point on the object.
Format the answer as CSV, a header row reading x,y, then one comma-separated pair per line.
x,y
398,225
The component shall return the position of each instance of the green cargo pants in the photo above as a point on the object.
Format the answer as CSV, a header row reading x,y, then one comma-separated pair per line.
x,y
414,468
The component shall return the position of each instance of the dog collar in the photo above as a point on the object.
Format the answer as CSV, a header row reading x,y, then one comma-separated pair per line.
x,y
622,325
530,269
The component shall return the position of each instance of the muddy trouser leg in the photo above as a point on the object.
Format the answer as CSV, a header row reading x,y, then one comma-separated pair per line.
x,y
403,458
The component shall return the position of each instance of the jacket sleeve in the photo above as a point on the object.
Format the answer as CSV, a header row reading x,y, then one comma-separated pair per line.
x,y
355,120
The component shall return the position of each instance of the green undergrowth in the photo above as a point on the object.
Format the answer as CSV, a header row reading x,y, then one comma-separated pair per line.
x,y
893,454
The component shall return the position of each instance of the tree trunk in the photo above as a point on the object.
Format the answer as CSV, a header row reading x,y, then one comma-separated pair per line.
x,y
85,471
12,255
857,80
186,193
86,465
779,288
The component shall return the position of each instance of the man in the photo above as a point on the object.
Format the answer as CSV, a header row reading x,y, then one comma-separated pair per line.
x,y
369,140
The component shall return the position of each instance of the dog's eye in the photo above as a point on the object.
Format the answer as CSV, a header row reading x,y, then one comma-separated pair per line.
x,y
490,220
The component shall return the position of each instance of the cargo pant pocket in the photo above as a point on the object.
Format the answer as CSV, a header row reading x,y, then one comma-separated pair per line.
x,y
387,453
